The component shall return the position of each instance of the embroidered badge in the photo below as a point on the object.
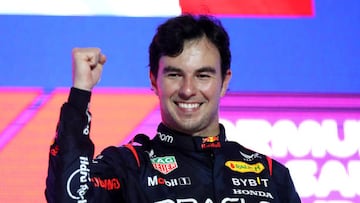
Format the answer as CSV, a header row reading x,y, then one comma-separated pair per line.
x,y
243,167
250,157
210,142
164,164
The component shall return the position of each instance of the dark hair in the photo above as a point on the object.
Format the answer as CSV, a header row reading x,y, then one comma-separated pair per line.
x,y
171,35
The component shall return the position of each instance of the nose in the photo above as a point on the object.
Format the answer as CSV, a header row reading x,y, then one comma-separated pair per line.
x,y
188,88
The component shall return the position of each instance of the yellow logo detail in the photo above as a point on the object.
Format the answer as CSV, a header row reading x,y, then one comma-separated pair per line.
x,y
243,167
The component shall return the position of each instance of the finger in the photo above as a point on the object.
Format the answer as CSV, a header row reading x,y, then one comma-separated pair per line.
x,y
93,59
102,58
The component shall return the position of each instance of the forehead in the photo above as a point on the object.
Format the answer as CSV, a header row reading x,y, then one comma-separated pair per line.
x,y
196,54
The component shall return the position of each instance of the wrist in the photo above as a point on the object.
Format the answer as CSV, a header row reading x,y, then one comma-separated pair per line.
x,y
79,98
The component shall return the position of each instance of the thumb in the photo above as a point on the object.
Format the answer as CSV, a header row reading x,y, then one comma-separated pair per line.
x,y
102,59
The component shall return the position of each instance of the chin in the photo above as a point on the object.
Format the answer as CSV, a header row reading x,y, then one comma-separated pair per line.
x,y
189,128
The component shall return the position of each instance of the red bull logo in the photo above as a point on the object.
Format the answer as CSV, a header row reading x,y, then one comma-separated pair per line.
x,y
210,139
210,142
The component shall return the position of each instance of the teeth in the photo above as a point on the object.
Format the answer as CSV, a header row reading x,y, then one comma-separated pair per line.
x,y
189,106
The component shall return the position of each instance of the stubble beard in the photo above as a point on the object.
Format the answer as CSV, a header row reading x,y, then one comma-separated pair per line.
x,y
192,126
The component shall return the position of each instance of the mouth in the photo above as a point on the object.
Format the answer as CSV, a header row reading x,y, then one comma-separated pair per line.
x,y
188,106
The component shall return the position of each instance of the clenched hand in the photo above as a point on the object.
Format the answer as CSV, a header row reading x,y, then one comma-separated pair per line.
x,y
87,67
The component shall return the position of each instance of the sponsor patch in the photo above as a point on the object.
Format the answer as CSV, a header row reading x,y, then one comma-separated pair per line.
x,y
107,184
210,139
210,142
82,176
250,157
155,180
54,150
242,167
164,164
165,137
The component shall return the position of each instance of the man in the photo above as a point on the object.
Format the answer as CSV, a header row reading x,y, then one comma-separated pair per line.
x,y
189,160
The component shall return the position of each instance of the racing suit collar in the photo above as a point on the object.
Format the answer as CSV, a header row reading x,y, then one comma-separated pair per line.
x,y
184,141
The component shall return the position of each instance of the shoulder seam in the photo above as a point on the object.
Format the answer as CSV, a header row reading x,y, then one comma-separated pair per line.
x,y
134,152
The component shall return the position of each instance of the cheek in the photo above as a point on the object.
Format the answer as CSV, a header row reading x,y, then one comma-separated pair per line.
x,y
211,89
164,90
170,85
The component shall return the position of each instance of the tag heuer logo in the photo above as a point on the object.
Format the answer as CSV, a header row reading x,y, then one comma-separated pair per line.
x,y
164,164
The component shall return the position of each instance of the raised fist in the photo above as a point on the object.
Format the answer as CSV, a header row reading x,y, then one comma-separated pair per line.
x,y
87,67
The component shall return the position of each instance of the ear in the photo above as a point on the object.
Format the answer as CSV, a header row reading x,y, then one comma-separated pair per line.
x,y
226,82
153,83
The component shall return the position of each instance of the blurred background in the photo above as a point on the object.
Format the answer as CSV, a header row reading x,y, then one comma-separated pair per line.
x,y
295,92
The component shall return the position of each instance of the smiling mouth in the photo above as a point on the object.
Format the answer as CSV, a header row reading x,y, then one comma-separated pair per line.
x,y
188,106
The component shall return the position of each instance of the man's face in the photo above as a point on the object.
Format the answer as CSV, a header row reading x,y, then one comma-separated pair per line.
x,y
189,87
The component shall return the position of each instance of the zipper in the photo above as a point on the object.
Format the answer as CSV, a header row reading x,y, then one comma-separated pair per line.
x,y
212,159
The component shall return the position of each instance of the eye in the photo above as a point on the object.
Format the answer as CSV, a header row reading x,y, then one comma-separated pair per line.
x,y
203,75
173,75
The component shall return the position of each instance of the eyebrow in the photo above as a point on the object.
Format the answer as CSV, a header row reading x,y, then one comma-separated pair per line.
x,y
168,69
208,69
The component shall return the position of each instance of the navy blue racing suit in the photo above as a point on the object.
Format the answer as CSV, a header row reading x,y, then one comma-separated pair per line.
x,y
171,168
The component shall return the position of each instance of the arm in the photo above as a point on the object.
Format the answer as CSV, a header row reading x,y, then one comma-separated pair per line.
x,y
72,152
293,196
285,186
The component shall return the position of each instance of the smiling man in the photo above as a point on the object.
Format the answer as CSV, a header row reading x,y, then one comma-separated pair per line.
x,y
189,159
189,87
